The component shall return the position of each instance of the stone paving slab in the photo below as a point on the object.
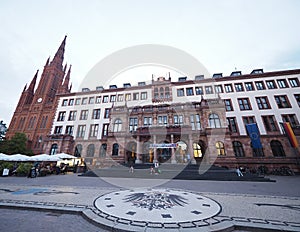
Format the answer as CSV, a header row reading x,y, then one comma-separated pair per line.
x,y
236,210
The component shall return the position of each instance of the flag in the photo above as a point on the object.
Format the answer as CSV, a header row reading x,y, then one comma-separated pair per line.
x,y
290,134
254,135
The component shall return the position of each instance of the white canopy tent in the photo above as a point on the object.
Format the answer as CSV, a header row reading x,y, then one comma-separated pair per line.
x,y
44,157
18,158
64,156
4,157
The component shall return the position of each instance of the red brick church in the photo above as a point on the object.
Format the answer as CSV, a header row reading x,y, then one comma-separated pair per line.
x,y
36,108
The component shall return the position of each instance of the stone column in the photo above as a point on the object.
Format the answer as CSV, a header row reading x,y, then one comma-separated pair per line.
x,y
191,149
138,150
173,158
154,150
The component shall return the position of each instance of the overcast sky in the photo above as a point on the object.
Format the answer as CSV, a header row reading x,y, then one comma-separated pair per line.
x,y
222,35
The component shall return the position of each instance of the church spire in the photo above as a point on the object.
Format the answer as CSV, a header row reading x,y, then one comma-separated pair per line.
x,y
67,79
59,55
47,62
32,84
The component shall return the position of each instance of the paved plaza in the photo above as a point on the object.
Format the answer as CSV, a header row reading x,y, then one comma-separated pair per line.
x,y
79,203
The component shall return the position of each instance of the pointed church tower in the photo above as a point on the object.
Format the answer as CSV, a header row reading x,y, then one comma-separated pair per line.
x,y
64,88
36,108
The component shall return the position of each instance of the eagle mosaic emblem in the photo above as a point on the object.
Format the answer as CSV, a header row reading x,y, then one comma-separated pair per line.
x,y
155,200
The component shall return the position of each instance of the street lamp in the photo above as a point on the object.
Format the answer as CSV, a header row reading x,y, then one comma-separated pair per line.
x,y
40,143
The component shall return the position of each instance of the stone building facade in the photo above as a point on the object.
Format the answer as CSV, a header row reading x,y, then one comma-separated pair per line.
x,y
200,120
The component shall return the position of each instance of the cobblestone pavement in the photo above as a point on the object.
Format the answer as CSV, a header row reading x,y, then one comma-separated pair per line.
x,y
79,201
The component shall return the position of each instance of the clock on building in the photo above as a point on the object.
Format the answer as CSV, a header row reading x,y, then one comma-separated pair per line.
x,y
40,99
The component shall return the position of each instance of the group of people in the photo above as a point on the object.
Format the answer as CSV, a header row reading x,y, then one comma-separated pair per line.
x,y
153,170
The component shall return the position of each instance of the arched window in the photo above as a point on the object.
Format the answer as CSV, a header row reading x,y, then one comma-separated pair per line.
x,y
220,148
103,149
197,150
156,93
78,150
90,150
117,125
238,149
115,150
277,148
53,149
214,121
162,93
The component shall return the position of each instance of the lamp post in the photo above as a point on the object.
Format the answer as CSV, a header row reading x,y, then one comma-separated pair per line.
x,y
40,144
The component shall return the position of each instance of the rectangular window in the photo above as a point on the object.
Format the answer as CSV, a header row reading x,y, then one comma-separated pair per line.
x,y
271,84
282,83
162,120
143,95
120,97
269,123
81,131
98,99
209,90
218,88
58,130
147,121
248,120
69,130
135,96
189,91
180,92
94,130
232,125
77,101
249,86
260,85
133,122
291,118
105,130
84,114
71,102
228,105
65,102
294,82
105,99
178,120
128,97
112,98
84,101
91,100
195,121
282,101
262,103
72,115
244,104
96,114
199,90
239,87
228,88
297,97
106,113
61,116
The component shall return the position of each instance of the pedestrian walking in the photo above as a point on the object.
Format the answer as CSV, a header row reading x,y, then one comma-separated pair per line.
x,y
238,172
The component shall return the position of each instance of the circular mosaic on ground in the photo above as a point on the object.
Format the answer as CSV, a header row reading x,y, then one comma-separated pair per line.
x,y
157,205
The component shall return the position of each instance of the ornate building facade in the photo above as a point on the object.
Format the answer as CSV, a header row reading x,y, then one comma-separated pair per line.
x,y
200,120
36,108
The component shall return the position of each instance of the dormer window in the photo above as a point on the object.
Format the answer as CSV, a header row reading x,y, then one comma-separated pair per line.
x,y
126,85
182,79
113,87
218,75
236,73
257,71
